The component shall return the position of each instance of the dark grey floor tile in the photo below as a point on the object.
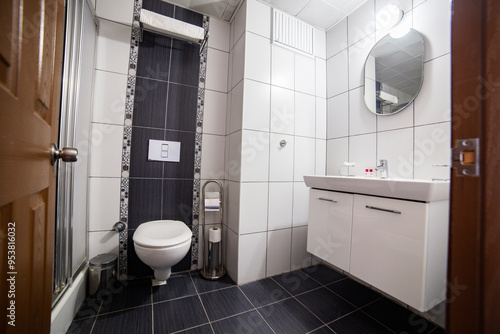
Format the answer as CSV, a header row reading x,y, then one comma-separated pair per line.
x,y
204,329
323,330
179,285
264,292
225,303
127,294
325,304
83,326
398,318
296,282
136,320
323,274
246,323
204,285
289,316
89,308
178,314
356,323
355,293
438,330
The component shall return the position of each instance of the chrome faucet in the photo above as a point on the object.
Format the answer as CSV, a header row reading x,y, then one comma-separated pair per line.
x,y
383,168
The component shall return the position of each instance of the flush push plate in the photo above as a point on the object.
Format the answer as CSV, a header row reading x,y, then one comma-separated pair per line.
x,y
465,157
160,150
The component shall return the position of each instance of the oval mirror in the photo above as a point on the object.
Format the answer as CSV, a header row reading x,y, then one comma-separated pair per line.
x,y
394,72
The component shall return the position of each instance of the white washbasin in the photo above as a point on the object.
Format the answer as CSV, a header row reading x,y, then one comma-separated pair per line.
x,y
418,190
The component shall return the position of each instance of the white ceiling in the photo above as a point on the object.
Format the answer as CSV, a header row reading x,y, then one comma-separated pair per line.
x,y
319,13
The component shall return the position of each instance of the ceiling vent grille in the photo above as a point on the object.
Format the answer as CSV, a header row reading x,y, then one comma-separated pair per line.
x,y
292,33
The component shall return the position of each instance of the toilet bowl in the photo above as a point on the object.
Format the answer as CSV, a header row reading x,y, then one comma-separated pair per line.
x,y
162,244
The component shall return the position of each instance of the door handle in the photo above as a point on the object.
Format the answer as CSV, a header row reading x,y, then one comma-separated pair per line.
x,y
67,154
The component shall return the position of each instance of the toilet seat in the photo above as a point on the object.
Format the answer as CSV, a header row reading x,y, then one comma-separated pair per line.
x,y
162,233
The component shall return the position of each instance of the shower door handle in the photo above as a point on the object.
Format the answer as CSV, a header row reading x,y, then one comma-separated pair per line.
x,y
67,154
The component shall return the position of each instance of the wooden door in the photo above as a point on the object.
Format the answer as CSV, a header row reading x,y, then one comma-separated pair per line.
x,y
474,253
31,41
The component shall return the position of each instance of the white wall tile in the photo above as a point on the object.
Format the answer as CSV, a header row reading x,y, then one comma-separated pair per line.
x,y
217,67
319,43
109,97
238,62
361,120
305,71
336,38
253,207
432,147
279,248
281,158
433,20
234,157
320,77
337,74
212,157
320,157
402,119
300,204
233,207
433,103
258,18
256,105
300,257
121,11
103,242
254,156
219,34
238,25
214,112
305,115
280,205
230,83
397,148
104,203
106,150
252,257
304,157
338,116
357,56
232,255
362,151
336,154
282,67
236,108
321,118
257,58
282,110
113,47
361,22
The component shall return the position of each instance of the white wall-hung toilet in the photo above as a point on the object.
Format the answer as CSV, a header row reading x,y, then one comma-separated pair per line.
x,y
162,244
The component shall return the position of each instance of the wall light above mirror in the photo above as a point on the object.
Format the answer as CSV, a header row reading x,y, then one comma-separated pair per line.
x,y
394,72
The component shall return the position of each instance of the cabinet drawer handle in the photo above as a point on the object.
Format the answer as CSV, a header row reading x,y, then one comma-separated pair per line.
x,y
381,209
326,199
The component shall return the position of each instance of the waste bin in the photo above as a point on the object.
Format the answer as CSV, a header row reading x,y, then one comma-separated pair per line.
x,y
101,269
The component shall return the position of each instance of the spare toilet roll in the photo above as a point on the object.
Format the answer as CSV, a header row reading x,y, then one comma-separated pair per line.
x,y
214,234
212,202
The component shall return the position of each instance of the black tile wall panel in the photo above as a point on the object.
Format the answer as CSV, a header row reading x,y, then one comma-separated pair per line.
x,y
184,264
150,103
184,169
139,164
181,107
188,16
159,6
144,201
136,268
154,56
178,200
185,63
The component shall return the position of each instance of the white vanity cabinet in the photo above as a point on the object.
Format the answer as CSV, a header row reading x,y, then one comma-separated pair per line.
x,y
329,226
397,246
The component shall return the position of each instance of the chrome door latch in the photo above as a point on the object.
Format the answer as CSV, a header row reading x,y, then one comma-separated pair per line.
x,y
465,157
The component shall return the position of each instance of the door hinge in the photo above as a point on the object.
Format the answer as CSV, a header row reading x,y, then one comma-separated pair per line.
x,y
465,157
